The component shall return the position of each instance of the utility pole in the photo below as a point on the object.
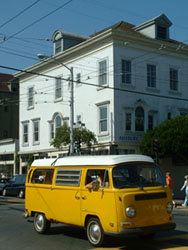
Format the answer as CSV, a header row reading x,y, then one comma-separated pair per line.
x,y
41,56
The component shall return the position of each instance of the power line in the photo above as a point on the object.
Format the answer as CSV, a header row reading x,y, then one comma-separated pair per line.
x,y
38,20
97,85
21,12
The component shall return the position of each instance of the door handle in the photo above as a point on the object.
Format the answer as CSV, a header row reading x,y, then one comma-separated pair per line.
x,y
84,197
77,197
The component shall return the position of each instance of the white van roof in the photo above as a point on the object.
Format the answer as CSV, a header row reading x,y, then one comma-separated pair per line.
x,y
102,160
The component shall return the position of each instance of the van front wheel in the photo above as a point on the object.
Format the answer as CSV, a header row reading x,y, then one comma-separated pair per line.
x,y
41,224
95,232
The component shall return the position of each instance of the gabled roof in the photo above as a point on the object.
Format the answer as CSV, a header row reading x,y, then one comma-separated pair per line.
x,y
162,19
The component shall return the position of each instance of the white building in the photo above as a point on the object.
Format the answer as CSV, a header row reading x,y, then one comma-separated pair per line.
x,y
127,79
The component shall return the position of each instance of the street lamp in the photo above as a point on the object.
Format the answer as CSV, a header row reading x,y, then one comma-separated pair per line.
x,y
41,56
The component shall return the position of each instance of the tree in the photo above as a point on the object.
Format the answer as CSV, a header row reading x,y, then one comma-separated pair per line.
x,y
172,136
82,135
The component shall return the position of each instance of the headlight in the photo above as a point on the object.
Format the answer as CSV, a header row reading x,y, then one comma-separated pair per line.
x,y
130,212
169,207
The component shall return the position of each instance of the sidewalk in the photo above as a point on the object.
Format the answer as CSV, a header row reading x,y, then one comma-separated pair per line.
x,y
179,209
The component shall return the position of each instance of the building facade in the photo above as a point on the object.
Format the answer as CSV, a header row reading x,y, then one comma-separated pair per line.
x,y
127,79
9,117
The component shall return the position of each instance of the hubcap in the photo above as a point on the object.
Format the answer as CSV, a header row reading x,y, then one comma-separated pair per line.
x,y
94,232
39,222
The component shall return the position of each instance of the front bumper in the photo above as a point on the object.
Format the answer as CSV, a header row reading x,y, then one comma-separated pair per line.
x,y
144,230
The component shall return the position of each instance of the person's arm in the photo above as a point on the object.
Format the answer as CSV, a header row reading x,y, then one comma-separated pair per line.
x,y
184,185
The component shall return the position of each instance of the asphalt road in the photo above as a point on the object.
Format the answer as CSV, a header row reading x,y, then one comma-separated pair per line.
x,y
17,233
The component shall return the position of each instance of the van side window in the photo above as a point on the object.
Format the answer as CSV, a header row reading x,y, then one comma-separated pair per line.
x,y
42,176
97,174
66,177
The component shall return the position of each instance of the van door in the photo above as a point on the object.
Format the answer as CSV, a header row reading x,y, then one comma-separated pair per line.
x,y
99,202
66,196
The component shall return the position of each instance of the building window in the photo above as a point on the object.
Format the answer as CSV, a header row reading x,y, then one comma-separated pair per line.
x,y
151,76
139,119
103,73
54,124
35,131
31,97
126,71
103,119
161,32
150,122
25,133
173,79
58,46
52,134
169,115
58,89
128,121
58,122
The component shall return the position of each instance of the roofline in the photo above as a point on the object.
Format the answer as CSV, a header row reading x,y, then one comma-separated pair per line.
x,y
107,33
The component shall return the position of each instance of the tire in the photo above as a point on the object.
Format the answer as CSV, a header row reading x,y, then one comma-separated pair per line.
x,y
4,192
41,224
147,236
21,193
95,233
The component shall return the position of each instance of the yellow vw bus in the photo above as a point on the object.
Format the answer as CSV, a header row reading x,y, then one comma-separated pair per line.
x,y
107,195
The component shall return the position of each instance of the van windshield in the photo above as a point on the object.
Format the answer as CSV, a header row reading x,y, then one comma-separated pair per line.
x,y
137,175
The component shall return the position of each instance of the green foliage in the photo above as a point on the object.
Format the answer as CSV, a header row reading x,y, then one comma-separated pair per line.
x,y
172,136
30,160
62,137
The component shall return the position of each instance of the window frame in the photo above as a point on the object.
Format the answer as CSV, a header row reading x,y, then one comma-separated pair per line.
x,y
53,126
173,81
101,120
25,134
58,46
30,101
151,75
128,121
163,33
58,89
126,73
36,133
102,73
138,119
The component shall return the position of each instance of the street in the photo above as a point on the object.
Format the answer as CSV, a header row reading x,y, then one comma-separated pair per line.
x,y
17,233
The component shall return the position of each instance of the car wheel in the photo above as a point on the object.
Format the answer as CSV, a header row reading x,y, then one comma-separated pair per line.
x,y
4,192
21,193
41,224
95,232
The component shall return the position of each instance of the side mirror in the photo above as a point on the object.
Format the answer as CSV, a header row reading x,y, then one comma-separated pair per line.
x,y
95,185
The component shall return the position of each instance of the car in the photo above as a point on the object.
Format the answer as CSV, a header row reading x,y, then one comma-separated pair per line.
x,y
15,186
3,181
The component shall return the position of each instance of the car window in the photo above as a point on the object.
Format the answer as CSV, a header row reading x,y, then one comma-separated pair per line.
x,y
42,176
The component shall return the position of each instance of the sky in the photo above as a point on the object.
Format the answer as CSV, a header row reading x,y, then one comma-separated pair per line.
x,y
27,26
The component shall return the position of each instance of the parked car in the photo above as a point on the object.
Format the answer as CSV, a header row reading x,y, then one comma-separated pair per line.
x,y
15,186
3,181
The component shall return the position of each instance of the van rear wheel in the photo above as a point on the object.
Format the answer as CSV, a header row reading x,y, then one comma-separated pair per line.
x,y
41,224
95,233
